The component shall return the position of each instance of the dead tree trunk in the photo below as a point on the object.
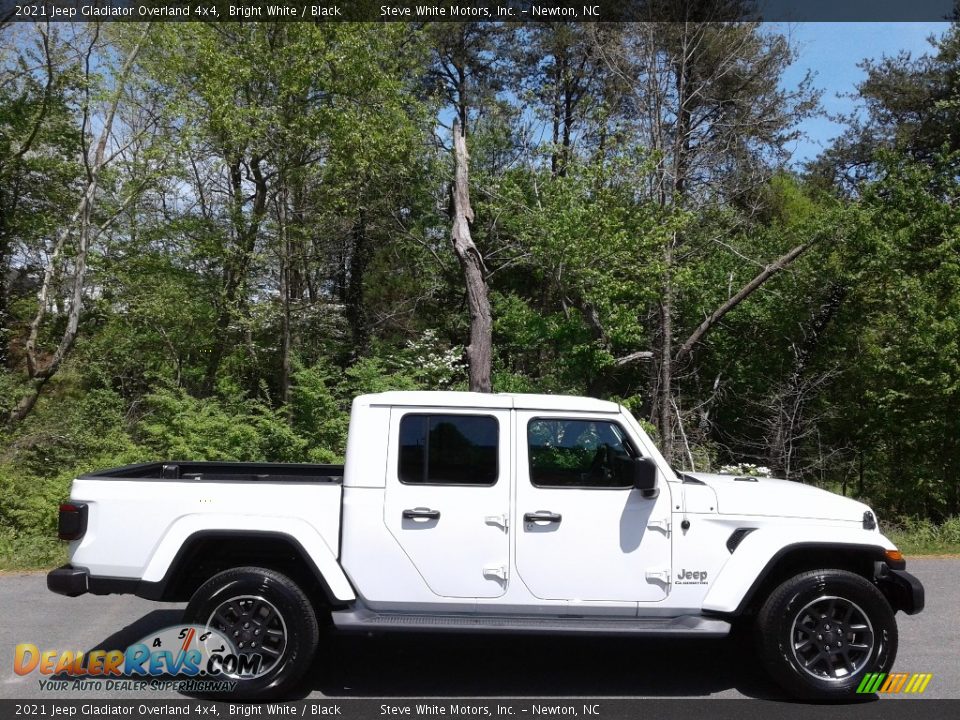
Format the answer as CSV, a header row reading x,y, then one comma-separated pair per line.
x,y
480,349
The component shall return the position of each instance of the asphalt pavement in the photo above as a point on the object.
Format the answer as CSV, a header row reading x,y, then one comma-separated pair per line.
x,y
425,666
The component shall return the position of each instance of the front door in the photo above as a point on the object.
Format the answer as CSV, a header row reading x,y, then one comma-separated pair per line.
x,y
583,532
448,497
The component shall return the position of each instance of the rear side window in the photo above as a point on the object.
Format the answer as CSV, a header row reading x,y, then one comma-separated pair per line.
x,y
448,450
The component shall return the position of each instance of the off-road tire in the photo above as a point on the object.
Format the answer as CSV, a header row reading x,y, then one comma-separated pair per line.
x,y
237,591
814,649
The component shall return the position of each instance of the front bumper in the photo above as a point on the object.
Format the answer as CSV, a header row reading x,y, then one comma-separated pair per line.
x,y
902,590
68,580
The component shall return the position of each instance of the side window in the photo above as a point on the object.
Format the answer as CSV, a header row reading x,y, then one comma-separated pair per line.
x,y
448,450
578,453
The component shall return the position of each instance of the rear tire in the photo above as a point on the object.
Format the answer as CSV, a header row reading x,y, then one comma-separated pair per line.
x,y
820,632
263,612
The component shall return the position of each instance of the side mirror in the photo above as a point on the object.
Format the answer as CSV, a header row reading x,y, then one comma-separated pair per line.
x,y
645,476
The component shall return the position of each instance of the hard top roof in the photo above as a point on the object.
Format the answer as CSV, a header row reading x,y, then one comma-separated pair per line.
x,y
519,401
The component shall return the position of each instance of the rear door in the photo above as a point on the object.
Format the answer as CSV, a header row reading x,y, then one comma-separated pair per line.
x,y
448,497
583,532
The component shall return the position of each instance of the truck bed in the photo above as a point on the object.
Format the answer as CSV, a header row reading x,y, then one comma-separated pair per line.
x,y
222,472
142,515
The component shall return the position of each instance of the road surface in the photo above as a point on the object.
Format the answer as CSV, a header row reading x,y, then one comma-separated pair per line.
x,y
418,666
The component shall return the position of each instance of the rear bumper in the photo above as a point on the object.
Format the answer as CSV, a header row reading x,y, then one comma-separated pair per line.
x,y
903,590
73,581
68,580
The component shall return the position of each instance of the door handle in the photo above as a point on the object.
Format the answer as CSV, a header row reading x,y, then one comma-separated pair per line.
x,y
542,516
421,513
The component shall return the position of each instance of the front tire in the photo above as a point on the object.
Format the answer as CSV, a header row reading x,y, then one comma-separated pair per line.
x,y
262,612
821,631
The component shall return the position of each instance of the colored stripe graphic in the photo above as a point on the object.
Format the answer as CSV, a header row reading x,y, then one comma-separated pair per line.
x,y
900,684
918,683
914,683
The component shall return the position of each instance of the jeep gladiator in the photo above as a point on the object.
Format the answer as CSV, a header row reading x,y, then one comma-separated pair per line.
x,y
465,512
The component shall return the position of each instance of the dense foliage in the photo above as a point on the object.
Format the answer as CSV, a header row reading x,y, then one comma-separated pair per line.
x,y
212,237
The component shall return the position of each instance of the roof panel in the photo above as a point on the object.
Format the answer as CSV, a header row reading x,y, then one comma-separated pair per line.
x,y
433,398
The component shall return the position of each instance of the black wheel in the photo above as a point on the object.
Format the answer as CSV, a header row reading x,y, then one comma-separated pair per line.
x,y
821,631
264,613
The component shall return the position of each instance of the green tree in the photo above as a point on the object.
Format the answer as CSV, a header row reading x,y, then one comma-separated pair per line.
x,y
271,111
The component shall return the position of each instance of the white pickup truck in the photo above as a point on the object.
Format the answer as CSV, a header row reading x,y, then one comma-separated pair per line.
x,y
465,512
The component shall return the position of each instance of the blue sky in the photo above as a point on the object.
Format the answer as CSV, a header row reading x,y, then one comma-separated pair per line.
x,y
832,51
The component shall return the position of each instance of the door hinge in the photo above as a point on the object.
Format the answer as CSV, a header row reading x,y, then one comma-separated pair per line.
x,y
501,520
497,571
662,525
661,576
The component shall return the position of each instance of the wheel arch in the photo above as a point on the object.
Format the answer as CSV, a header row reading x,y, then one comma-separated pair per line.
x,y
205,553
744,582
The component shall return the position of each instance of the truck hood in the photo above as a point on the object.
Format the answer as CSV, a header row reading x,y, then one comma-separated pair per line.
x,y
738,495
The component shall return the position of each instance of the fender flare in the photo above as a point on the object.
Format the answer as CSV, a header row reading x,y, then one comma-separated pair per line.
x,y
163,564
758,554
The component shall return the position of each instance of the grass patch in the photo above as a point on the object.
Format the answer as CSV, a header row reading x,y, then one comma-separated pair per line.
x,y
31,552
914,536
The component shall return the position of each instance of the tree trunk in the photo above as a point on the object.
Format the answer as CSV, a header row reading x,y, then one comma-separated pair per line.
x,y
4,310
555,138
10,193
356,309
480,349
86,234
286,345
237,262
665,380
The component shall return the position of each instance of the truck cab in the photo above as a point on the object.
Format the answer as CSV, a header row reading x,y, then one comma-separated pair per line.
x,y
521,501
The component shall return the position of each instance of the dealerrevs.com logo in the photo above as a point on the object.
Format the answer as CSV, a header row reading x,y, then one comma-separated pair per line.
x,y
184,657
911,683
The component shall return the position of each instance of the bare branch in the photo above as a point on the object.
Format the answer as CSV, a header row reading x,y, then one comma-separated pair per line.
x,y
633,357
768,272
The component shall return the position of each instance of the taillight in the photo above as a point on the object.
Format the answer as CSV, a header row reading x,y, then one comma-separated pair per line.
x,y
73,521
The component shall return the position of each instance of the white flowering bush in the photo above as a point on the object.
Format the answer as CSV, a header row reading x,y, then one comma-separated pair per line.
x,y
436,367
748,469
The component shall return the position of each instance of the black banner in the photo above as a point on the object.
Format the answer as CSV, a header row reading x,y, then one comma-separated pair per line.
x,y
477,10
501,708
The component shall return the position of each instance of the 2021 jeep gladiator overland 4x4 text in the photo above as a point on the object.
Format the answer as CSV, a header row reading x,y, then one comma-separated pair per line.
x,y
464,512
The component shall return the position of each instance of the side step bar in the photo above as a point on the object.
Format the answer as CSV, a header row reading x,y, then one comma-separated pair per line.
x,y
690,625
